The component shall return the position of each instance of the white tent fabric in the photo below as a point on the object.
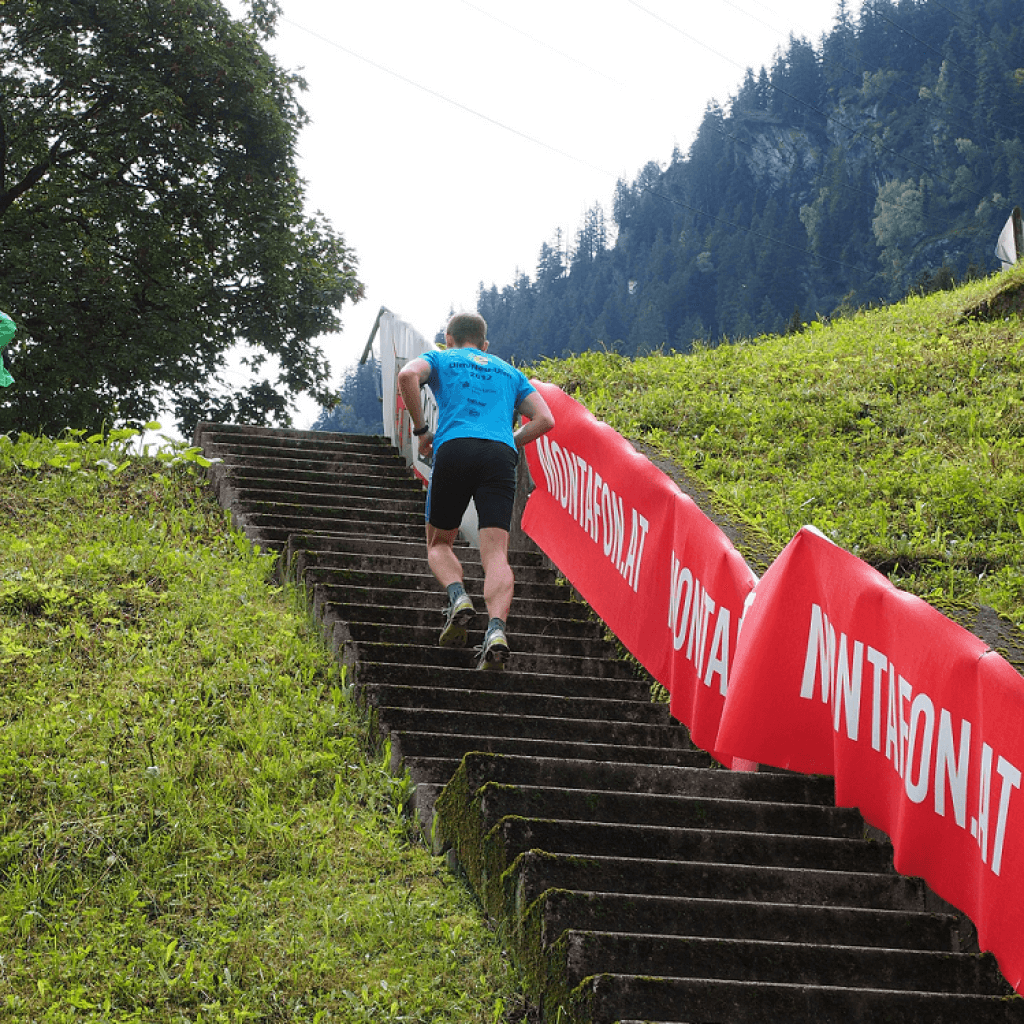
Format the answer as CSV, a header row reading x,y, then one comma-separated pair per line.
x,y
1006,247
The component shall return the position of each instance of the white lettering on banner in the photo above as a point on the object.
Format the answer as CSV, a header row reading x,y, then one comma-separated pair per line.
x,y
913,740
690,608
596,508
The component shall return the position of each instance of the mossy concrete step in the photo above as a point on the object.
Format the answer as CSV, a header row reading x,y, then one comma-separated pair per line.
x,y
664,842
271,471
532,655
564,650
536,871
574,692
390,473
324,562
237,463
282,462
606,998
274,530
250,437
410,745
501,701
327,514
353,606
557,911
413,547
341,494
479,769
431,602
586,953
498,800
386,577
567,731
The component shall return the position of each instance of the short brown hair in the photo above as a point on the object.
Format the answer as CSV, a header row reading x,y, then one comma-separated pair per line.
x,y
467,328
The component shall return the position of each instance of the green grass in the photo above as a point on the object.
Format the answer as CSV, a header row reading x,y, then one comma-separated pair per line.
x,y
897,432
193,824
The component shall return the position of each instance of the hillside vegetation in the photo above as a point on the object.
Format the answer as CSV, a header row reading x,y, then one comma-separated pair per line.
x,y
194,826
898,432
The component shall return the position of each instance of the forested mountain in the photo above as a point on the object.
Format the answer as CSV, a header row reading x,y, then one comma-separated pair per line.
x,y
884,159
358,410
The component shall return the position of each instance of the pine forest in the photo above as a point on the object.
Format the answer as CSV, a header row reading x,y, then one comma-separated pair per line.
x,y
880,161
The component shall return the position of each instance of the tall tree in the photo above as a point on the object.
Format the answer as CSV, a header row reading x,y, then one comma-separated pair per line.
x,y
151,217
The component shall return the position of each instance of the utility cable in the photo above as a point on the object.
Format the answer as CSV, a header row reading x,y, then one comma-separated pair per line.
x,y
445,99
541,42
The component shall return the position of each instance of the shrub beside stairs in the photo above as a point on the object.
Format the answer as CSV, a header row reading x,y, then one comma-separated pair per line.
x,y
633,878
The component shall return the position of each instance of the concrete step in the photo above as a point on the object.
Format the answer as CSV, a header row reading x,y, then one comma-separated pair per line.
x,y
564,651
500,701
500,800
320,563
569,731
431,603
572,691
410,745
251,440
352,607
297,463
665,842
479,769
557,911
408,515
274,530
341,493
387,577
606,998
311,473
788,963
537,871
533,656
330,543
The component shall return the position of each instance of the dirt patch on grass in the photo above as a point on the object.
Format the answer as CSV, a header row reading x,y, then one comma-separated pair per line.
x,y
1009,301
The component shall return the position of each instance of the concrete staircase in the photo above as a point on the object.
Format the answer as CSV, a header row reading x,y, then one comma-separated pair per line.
x,y
634,879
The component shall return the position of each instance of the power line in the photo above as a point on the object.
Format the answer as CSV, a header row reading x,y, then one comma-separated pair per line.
x,y
445,99
541,42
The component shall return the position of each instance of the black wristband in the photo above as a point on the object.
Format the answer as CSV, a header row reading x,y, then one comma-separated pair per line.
x,y
421,431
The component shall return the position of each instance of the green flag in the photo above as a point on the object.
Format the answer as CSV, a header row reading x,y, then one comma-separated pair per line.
x,y
7,329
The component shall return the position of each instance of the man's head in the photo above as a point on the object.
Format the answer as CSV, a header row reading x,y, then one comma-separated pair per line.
x,y
467,329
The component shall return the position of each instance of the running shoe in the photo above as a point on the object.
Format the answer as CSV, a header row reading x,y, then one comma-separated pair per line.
x,y
458,615
494,652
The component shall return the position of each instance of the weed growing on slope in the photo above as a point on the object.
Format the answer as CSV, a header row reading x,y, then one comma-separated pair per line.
x,y
898,432
193,827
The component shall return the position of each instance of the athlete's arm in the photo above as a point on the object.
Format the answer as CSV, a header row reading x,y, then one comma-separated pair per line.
x,y
540,419
411,378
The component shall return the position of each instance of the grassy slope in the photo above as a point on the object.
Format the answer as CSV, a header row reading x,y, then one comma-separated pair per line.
x,y
898,432
191,827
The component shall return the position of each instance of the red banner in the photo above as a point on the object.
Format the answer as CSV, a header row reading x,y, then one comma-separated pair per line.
x,y
921,724
661,574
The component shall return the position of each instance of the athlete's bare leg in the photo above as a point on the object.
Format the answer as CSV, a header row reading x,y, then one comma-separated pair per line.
x,y
441,557
499,581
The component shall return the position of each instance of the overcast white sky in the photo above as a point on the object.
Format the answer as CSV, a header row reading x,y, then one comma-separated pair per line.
x,y
449,139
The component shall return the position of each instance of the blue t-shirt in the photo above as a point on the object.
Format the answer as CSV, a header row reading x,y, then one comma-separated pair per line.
x,y
476,394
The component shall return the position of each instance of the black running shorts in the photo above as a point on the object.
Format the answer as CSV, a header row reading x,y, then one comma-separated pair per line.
x,y
465,468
